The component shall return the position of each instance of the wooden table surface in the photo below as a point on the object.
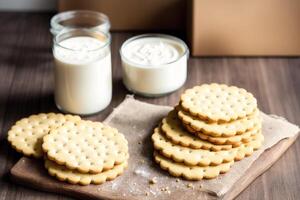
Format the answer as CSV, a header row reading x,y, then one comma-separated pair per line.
x,y
26,87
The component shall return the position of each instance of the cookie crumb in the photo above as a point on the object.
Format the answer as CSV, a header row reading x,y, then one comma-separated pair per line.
x,y
142,161
190,186
139,142
147,193
153,180
177,180
166,189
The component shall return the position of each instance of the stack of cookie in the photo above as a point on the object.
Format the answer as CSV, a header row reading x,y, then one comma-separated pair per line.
x,y
74,150
212,127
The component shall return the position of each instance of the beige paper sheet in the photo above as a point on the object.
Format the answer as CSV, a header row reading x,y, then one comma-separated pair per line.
x,y
135,117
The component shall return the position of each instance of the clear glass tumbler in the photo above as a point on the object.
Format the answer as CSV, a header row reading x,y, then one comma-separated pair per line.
x,y
83,80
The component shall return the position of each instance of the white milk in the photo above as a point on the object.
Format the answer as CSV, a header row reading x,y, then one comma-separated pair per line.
x,y
83,82
154,65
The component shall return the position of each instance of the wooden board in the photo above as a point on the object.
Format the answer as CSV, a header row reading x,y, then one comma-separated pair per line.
x,y
30,172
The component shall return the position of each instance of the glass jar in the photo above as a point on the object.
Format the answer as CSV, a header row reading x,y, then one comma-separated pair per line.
x,y
154,64
79,19
83,80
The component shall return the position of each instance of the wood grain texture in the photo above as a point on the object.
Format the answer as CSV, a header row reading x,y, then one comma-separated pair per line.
x,y
26,87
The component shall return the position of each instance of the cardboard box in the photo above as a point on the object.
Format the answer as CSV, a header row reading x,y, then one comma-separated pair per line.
x,y
135,14
244,27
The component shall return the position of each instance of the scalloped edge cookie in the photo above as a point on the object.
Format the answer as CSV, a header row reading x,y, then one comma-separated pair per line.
x,y
179,135
86,146
218,102
235,140
190,172
74,177
215,129
200,157
26,135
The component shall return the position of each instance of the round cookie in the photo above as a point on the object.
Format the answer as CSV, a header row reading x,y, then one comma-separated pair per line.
x,y
218,102
235,140
191,172
215,129
174,131
86,146
202,157
27,134
74,177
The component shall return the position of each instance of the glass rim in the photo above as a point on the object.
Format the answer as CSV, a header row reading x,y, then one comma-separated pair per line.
x,y
54,22
155,35
88,33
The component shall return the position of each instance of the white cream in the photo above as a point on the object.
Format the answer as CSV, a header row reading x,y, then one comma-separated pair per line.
x,y
83,82
151,52
154,64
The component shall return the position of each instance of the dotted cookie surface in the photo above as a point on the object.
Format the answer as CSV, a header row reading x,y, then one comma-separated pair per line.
x,y
218,102
74,177
27,134
86,146
202,157
191,172
235,140
215,129
174,131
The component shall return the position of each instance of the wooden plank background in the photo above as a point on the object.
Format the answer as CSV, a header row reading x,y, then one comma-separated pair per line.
x,y
26,87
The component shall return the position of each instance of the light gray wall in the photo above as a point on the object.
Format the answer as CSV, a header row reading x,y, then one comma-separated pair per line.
x,y
27,5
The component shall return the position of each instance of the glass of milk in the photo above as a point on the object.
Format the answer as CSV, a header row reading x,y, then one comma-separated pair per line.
x,y
154,64
83,80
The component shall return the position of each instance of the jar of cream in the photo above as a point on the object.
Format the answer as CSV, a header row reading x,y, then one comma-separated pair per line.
x,y
79,19
154,64
83,80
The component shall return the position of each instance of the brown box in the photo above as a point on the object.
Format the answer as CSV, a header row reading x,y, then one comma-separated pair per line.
x,y
244,27
135,14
